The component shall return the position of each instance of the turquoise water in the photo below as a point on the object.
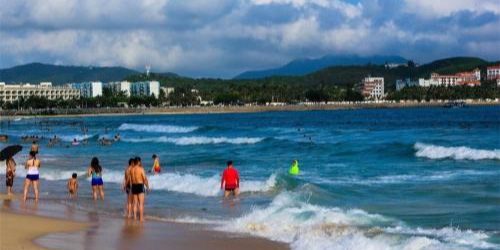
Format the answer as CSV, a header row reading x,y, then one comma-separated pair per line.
x,y
416,178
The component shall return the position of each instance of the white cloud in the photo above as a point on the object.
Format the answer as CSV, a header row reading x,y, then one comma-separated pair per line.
x,y
441,8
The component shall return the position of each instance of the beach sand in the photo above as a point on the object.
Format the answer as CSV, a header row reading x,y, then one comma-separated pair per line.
x,y
48,225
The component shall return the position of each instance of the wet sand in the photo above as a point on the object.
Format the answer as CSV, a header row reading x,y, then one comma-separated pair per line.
x,y
48,225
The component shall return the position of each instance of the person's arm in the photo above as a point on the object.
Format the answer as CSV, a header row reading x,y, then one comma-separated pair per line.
x,y
237,179
145,180
69,184
89,172
222,180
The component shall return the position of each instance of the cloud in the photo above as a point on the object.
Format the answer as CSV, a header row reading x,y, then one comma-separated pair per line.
x,y
201,38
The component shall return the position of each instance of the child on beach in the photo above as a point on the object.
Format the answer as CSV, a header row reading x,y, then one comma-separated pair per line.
x,y
73,186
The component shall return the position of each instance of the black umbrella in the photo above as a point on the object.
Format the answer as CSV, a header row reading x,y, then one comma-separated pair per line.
x,y
10,151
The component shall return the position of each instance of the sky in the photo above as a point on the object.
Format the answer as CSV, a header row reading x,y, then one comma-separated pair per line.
x,y
222,38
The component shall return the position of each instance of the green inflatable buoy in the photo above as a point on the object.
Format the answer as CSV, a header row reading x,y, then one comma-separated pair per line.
x,y
294,169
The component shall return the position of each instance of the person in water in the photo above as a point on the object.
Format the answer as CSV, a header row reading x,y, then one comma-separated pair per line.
x,y
32,176
75,142
10,173
73,186
156,169
230,181
34,147
139,180
294,169
127,184
95,171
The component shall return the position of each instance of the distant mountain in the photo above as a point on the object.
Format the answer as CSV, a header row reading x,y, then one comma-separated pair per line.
x,y
305,66
38,72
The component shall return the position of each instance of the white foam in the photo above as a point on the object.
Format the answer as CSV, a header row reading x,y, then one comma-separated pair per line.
x,y
198,140
157,128
78,137
306,226
458,153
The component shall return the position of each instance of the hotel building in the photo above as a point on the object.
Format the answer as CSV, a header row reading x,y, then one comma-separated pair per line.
x,y
13,92
117,87
493,72
373,87
146,88
472,78
88,89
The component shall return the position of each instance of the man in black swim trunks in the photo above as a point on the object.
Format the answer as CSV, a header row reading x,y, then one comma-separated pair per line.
x,y
138,180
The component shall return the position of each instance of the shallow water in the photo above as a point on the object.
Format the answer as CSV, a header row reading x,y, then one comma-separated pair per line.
x,y
416,178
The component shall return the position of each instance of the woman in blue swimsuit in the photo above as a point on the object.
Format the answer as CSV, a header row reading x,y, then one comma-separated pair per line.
x,y
95,171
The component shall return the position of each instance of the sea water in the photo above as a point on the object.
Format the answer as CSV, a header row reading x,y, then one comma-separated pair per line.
x,y
413,178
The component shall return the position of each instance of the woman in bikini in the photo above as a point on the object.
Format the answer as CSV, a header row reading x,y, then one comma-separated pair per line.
x,y
95,171
32,176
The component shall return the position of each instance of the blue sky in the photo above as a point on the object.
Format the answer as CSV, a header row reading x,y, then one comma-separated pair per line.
x,y
221,38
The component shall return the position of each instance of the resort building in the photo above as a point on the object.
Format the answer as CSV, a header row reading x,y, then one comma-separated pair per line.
x,y
88,89
14,92
493,72
472,78
146,88
117,87
373,87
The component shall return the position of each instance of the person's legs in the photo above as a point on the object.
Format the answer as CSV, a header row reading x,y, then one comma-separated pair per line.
x,y
141,206
35,188
94,192
101,191
136,201
27,183
130,202
236,191
226,193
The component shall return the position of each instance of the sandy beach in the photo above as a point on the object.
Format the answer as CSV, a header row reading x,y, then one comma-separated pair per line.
x,y
13,114
54,226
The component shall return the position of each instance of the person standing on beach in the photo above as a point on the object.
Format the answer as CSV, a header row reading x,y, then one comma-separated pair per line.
x,y
231,179
34,147
32,176
10,173
127,183
139,180
156,169
95,171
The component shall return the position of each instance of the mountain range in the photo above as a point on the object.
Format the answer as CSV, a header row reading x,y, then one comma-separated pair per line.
x,y
301,67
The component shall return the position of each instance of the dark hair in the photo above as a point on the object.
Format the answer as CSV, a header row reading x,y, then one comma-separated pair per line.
x,y
137,159
229,163
74,175
95,165
32,153
154,156
130,161
34,142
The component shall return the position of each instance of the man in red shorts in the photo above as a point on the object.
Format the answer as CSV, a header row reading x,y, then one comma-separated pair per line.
x,y
231,179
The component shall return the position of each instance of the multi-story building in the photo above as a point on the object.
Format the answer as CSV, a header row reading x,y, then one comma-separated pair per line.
x,y
88,89
117,87
493,72
472,78
373,87
146,88
167,90
14,92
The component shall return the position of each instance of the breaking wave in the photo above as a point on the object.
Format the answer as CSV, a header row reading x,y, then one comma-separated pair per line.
x,y
198,140
310,227
156,128
458,153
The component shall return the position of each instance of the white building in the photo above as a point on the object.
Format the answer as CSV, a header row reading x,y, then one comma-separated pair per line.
x,y
117,87
88,89
472,78
493,72
13,92
146,88
373,87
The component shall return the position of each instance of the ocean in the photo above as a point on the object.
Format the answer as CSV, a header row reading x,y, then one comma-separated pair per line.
x,y
410,178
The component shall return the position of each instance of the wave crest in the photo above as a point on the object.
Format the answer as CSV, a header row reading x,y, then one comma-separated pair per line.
x,y
198,140
156,128
458,153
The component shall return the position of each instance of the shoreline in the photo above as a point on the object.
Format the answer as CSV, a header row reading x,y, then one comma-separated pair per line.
x,y
9,115
51,225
